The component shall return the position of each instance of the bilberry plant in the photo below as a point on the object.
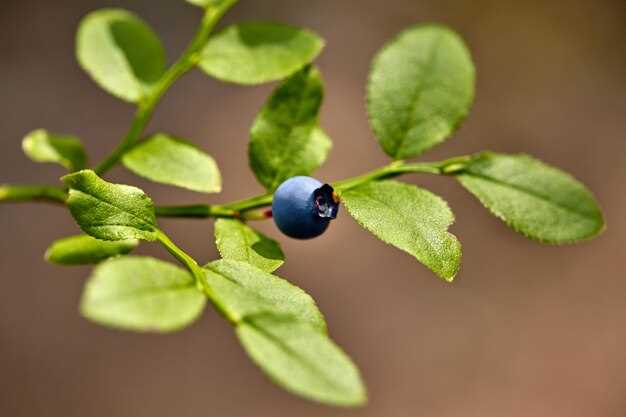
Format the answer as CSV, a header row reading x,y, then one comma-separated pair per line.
x,y
420,89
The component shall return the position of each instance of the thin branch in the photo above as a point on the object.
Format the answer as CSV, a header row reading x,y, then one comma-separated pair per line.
x,y
238,209
24,193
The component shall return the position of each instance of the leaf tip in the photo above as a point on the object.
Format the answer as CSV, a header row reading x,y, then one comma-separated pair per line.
x,y
70,179
214,188
29,139
47,255
358,398
450,278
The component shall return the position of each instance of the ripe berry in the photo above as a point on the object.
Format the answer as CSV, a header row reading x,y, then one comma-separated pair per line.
x,y
303,207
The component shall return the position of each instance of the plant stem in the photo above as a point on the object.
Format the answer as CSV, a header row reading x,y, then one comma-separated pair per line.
x,y
397,168
20,193
238,209
186,62
194,211
235,209
245,209
184,259
198,273
394,169
251,203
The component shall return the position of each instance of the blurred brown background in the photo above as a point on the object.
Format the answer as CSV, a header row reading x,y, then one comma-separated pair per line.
x,y
526,330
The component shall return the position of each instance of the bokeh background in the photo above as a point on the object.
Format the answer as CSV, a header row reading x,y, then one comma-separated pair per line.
x,y
525,330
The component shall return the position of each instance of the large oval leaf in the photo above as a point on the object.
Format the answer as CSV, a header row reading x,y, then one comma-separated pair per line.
x,y
301,359
110,211
142,294
420,89
168,160
120,52
243,290
257,52
409,218
537,200
285,138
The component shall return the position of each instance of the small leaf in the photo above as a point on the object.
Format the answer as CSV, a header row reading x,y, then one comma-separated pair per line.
x,y
301,359
409,218
120,52
420,89
83,249
43,146
110,211
537,200
173,161
255,53
237,241
244,290
141,294
285,138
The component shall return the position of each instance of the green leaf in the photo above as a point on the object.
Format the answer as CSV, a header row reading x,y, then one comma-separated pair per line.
x,y
168,160
255,53
536,200
284,332
420,89
237,241
43,146
142,294
110,211
301,359
409,218
285,138
243,290
120,52
83,249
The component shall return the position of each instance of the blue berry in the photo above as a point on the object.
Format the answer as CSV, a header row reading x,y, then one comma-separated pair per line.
x,y
303,207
